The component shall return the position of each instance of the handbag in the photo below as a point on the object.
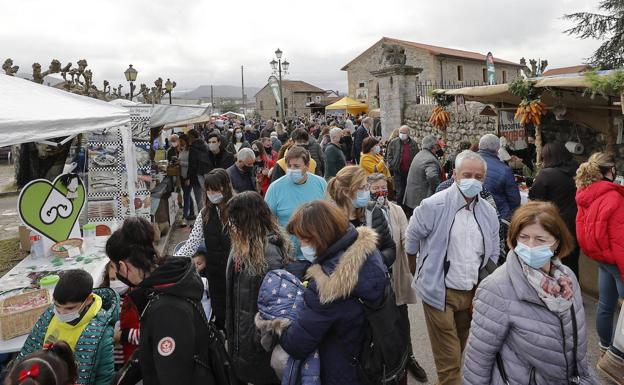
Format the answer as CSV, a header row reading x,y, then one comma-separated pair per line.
x,y
173,170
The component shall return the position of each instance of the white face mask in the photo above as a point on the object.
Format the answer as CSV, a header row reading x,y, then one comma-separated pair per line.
x,y
71,316
174,144
215,199
118,286
403,136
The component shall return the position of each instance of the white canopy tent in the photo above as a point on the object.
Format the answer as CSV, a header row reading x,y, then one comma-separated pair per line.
x,y
31,112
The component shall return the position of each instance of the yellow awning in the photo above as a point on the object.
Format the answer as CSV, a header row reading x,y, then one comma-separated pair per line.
x,y
348,104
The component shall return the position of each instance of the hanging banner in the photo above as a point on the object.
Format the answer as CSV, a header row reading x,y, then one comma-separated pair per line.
x,y
274,85
52,209
491,71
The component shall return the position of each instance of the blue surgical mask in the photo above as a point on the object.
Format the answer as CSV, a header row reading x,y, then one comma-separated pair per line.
x,y
361,199
295,175
470,187
536,257
376,149
309,253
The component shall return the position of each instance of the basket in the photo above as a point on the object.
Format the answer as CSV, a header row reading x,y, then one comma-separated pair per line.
x,y
58,249
15,323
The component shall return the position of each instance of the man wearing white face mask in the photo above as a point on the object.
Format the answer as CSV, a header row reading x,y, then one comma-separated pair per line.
x,y
455,234
401,151
84,318
295,188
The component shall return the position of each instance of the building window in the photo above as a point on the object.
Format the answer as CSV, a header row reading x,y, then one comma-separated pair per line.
x,y
285,103
485,77
309,99
460,73
361,85
261,106
504,76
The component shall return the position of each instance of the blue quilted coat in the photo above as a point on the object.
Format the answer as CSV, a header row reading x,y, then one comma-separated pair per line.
x,y
279,301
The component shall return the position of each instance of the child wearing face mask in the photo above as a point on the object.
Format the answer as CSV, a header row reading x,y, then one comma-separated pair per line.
x,y
126,334
84,318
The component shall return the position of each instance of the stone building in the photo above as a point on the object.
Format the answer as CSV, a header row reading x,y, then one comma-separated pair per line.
x,y
440,66
297,95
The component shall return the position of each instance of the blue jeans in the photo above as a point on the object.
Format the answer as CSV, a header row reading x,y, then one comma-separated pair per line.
x,y
610,288
188,202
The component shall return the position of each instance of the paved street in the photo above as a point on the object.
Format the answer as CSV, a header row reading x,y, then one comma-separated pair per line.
x,y
420,339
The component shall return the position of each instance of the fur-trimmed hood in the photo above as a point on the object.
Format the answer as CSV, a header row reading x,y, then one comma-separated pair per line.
x,y
341,281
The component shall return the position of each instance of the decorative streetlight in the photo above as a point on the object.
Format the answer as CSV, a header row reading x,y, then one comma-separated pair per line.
x,y
169,87
131,75
278,66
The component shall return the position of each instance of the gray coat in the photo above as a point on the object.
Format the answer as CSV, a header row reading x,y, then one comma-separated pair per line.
x,y
428,235
422,179
535,344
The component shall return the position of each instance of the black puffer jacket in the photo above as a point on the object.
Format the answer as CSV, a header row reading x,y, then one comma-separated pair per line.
x,y
251,361
172,329
217,236
376,220
199,160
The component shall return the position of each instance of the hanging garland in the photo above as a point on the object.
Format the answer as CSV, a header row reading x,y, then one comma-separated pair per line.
x,y
440,118
531,108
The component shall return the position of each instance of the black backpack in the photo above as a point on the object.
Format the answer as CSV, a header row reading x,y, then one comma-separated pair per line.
x,y
385,349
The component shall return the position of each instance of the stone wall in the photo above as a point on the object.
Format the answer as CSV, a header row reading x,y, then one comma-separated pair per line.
x,y
295,103
466,123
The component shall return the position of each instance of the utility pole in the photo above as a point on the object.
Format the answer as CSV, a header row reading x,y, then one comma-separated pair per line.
x,y
212,98
243,88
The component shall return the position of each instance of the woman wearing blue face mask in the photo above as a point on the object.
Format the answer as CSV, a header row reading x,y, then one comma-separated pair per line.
x,y
371,159
347,267
528,323
349,190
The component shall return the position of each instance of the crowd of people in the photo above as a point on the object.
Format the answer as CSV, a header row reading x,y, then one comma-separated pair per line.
x,y
347,219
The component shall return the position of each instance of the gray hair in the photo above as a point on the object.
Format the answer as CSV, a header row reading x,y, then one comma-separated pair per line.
x,y
468,155
335,132
428,142
245,154
173,136
372,178
489,142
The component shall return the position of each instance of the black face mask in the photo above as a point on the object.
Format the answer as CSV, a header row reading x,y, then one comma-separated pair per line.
x,y
256,153
268,149
439,153
124,280
247,168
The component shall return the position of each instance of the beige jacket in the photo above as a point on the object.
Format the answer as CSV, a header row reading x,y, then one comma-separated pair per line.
x,y
401,276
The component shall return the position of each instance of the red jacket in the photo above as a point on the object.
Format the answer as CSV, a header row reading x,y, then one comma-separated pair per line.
x,y
600,222
129,325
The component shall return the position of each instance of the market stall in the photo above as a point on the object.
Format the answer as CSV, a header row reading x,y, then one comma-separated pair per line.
x,y
53,210
346,106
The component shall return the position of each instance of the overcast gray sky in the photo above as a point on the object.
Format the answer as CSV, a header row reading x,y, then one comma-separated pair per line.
x,y
199,42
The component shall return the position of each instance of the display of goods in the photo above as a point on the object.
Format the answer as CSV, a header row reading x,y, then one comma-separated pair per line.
x,y
60,249
19,313
530,112
440,118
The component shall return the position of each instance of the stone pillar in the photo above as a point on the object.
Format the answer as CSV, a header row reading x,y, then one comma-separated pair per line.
x,y
397,90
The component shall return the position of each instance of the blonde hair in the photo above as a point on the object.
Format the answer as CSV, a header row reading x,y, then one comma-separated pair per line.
x,y
594,169
344,185
395,133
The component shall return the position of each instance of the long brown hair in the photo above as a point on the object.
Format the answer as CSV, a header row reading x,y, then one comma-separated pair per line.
x,y
251,223
344,185
217,180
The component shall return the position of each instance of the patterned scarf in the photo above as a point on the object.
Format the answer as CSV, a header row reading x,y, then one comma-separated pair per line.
x,y
554,288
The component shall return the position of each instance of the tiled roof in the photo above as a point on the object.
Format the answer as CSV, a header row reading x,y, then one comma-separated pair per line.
x,y
434,50
567,70
298,86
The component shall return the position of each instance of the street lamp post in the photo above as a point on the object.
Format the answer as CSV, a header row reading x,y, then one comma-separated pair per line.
x,y
278,67
169,88
131,75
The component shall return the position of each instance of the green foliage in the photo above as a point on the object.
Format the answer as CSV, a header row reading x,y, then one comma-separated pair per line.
x,y
226,106
525,90
605,85
608,27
